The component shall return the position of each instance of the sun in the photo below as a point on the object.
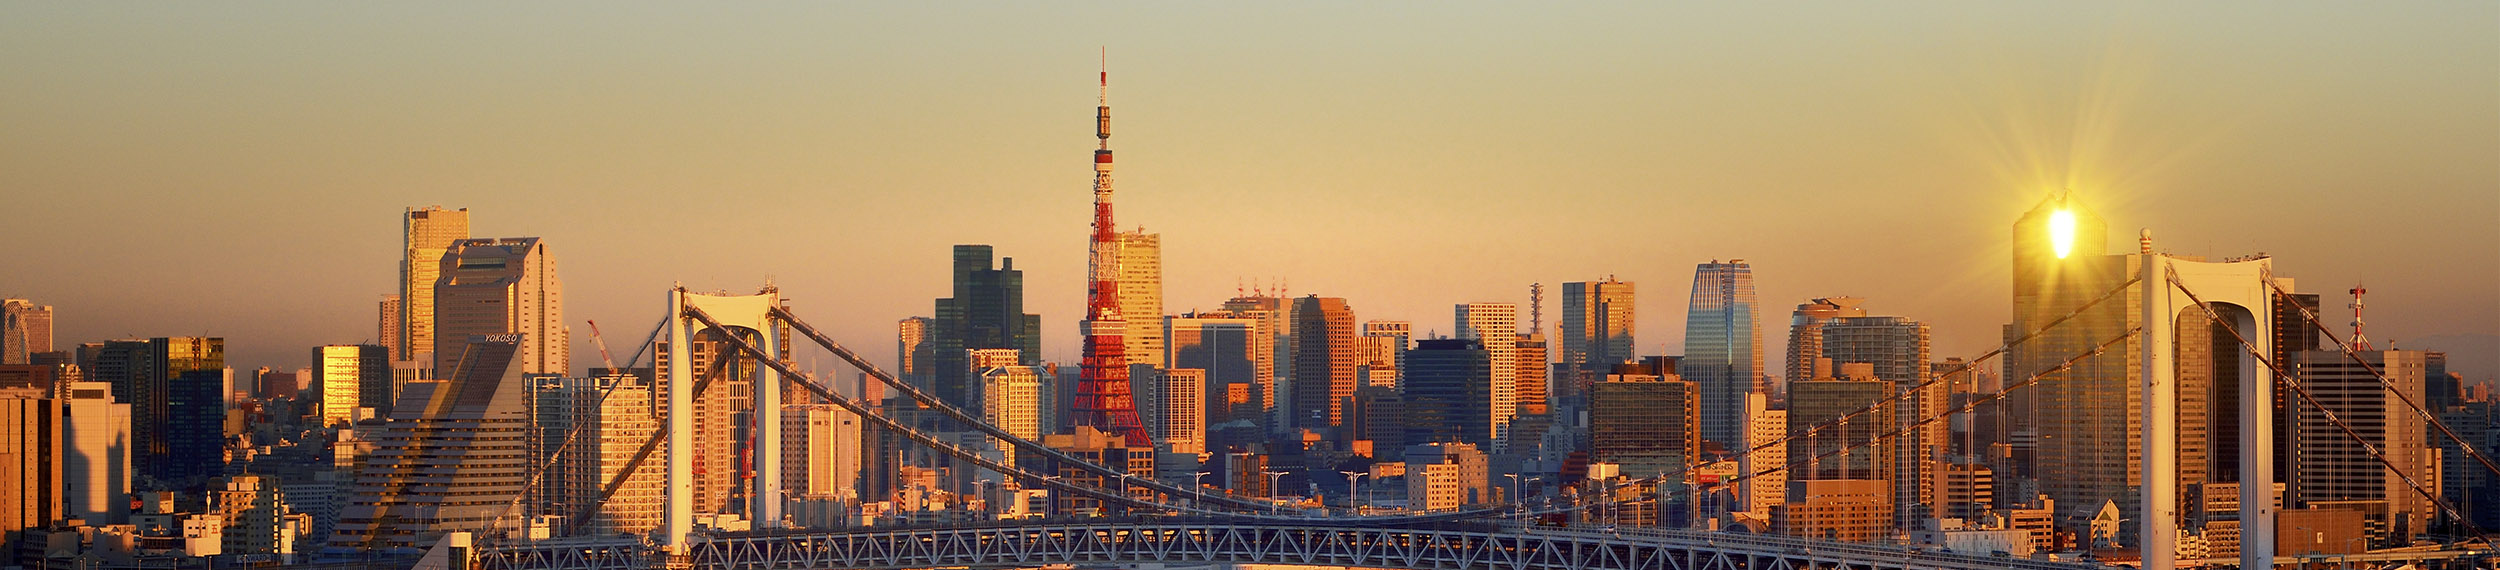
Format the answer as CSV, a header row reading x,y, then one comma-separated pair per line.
x,y
2062,232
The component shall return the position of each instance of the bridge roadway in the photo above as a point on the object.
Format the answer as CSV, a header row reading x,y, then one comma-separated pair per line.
x,y
1187,542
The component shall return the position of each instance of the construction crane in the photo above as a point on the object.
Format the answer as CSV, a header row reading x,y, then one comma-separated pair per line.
x,y
596,339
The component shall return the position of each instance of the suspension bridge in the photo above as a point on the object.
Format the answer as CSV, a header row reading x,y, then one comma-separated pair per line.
x,y
1191,526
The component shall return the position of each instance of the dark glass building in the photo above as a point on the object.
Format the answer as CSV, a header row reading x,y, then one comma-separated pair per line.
x,y
1449,391
987,311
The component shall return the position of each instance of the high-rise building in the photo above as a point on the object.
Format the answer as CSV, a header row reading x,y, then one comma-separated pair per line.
x,y
145,373
1011,396
1176,410
830,439
1448,392
2087,414
1383,355
426,236
1397,336
1644,421
95,462
196,404
1768,464
1323,361
1141,296
1895,350
2333,471
1723,348
1496,325
31,494
1596,335
1805,335
986,311
1275,318
496,287
1230,353
454,456
25,329
599,423
911,351
1532,405
350,376
1815,408
389,328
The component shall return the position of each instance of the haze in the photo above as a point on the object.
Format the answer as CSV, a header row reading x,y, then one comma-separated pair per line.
x,y
239,170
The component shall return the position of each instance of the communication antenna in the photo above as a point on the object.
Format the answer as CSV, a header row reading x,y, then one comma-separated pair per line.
x,y
1536,307
2359,341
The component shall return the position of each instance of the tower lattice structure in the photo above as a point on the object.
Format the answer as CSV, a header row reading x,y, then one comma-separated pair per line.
x,y
1102,394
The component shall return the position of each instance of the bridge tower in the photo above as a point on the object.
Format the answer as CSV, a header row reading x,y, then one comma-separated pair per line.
x,y
2241,293
752,313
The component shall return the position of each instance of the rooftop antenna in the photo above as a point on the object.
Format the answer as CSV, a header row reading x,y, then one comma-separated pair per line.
x,y
2359,341
1536,307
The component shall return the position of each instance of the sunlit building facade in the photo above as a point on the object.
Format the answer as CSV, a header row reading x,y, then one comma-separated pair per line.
x,y
1723,348
426,235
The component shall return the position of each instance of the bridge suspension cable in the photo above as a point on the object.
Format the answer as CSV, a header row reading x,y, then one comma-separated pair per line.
x,y
865,412
1882,404
2282,377
575,432
1966,407
2381,375
975,422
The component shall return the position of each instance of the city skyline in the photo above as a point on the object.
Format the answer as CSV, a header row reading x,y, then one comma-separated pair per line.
x,y
2117,112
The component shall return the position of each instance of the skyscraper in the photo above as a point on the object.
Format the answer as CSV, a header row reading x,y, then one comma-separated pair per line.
x,y
498,287
1141,296
1596,335
1822,401
95,462
1398,336
453,456
1323,361
2087,415
426,235
1805,334
2333,471
30,451
606,418
1723,348
986,311
1496,326
195,428
25,329
1895,350
1176,410
1644,421
349,376
1275,317
390,327
146,372
911,351
1228,352
1449,392
1011,397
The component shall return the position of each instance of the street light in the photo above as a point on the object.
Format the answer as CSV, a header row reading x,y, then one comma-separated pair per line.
x,y
1354,482
1274,478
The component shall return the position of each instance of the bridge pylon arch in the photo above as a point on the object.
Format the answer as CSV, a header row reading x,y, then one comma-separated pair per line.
x,y
754,312
2247,285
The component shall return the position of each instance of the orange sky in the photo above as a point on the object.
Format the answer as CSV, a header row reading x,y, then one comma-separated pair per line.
x,y
239,170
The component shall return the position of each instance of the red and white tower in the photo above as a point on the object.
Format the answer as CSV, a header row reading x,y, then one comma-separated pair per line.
x,y
1102,394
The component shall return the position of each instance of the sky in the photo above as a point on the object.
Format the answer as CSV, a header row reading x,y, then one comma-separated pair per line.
x,y
240,170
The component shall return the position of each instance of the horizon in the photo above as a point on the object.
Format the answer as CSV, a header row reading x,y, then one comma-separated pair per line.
x,y
237,172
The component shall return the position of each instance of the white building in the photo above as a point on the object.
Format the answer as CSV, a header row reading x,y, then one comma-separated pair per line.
x,y
95,470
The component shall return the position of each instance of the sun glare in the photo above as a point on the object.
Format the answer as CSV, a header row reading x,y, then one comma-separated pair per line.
x,y
2062,232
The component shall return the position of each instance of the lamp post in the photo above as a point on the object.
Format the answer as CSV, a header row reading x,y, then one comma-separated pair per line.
x,y
1199,492
1274,478
1354,482
1514,492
